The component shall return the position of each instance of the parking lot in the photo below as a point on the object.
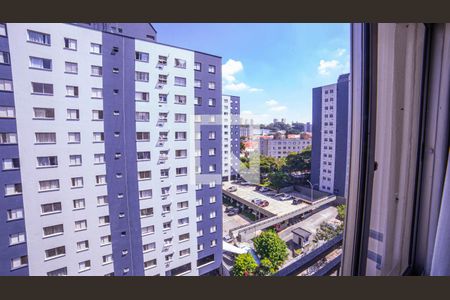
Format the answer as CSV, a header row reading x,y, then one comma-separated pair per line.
x,y
230,222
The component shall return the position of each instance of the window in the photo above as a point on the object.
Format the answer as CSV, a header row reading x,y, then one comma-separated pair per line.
x,y
75,160
78,204
212,151
44,113
48,185
212,168
80,225
73,114
51,208
99,137
180,135
150,263
6,85
96,71
165,191
211,69
105,240
55,252
200,247
162,79
19,262
182,205
16,238
199,232
76,182
14,214
53,230
47,161
149,247
99,158
96,93
84,265
146,212
8,138
96,48
185,252
142,136
180,81
213,243
41,63
183,221
212,135
11,164
104,220
197,66
197,83
141,76
211,85
142,116
163,136
167,226
164,173
180,99
212,199
180,153
141,56
143,155
39,88
180,63
7,112
212,214
71,91
162,60
198,100
70,44
211,102
181,171
166,208
162,98
148,230
145,194
97,115
100,179
107,259
183,188
38,37
102,200
2,29
71,68
74,137
144,175
142,96
212,184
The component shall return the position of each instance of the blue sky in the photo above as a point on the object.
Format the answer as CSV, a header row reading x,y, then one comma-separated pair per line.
x,y
272,67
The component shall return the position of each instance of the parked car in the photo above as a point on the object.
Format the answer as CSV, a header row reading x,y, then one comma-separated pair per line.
x,y
279,195
296,201
286,197
228,239
271,193
257,201
264,203
263,189
232,213
232,189
229,208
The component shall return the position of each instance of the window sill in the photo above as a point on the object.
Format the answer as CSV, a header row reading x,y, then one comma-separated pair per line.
x,y
76,187
51,190
84,270
19,267
12,169
54,257
96,97
51,213
46,167
150,233
102,245
65,48
72,119
107,263
50,143
77,230
74,165
15,244
183,225
40,69
82,250
44,119
102,225
71,96
80,208
71,73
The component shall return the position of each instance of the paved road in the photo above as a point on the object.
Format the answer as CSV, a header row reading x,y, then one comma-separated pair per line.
x,y
230,222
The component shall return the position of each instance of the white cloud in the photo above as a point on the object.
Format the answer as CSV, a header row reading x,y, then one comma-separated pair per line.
x,y
230,83
340,51
275,106
257,118
326,66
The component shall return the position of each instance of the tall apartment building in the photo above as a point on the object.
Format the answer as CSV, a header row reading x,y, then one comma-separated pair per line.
x,y
98,149
230,137
281,147
330,126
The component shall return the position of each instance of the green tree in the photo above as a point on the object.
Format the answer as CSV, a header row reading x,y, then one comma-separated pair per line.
x,y
299,161
270,246
278,180
341,212
244,265
265,268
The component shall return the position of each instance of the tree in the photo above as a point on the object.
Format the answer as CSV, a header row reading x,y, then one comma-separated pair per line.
x,y
299,161
278,180
244,265
265,268
242,146
341,212
270,246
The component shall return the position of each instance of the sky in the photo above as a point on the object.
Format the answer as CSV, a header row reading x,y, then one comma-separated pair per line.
x,y
272,67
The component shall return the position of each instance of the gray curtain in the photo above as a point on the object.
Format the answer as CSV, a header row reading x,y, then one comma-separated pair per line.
x,y
440,265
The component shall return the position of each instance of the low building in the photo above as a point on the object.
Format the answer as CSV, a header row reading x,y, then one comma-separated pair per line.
x,y
281,147
301,236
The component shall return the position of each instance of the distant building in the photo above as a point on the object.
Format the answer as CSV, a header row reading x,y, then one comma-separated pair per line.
x,y
244,131
283,120
281,147
299,126
275,121
308,127
330,126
